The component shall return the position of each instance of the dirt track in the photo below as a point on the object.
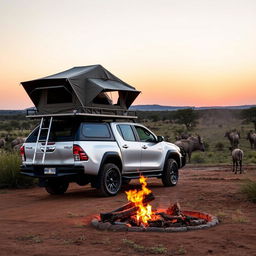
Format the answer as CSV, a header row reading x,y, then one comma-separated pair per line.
x,y
34,223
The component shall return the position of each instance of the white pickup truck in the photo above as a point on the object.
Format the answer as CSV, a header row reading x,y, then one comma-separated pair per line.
x,y
105,154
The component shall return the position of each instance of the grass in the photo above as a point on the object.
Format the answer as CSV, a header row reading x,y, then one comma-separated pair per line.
x,y
30,238
180,251
159,249
249,189
105,241
74,215
238,217
9,172
79,240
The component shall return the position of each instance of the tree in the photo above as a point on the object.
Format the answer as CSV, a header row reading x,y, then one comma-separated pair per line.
x,y
188,117
249,115
155,118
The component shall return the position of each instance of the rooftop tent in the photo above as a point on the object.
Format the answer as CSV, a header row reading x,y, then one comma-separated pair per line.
x,y
81,89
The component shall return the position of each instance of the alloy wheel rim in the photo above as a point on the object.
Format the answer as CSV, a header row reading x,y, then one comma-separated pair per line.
x,y
174,174
113,181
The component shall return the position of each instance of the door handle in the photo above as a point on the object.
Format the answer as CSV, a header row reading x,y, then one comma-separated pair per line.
x,y
125,146
144,147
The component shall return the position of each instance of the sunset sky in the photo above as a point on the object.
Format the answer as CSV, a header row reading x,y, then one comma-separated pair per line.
x,y
182,52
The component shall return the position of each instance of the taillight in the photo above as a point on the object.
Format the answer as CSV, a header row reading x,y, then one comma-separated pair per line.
x,y
22,153
79,154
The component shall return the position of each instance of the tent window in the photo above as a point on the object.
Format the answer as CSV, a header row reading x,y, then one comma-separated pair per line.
x,y
107,98
58,95
102,98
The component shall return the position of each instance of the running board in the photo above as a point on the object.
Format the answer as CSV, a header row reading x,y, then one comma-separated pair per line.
x,y
145,174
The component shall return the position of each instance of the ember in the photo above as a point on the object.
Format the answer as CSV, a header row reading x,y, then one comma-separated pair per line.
x,y
138,213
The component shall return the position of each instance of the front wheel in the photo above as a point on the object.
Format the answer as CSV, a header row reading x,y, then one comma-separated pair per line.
x,y
170,175
110,180
56,187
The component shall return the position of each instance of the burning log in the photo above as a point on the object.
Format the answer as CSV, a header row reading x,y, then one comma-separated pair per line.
x,y
113,216
125,211
174,210
156,223
167,216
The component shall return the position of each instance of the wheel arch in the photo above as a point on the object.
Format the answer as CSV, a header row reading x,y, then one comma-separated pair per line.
x,y
111,157
172,155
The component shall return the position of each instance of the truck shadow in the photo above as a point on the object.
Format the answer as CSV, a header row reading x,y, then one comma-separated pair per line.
x,y
87,192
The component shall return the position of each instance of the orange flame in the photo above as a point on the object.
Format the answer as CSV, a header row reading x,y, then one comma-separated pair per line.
x,y
144,213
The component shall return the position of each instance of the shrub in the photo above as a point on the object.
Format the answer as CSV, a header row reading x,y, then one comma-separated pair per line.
x,y
249,189
196,158
206,146
9,172
219,146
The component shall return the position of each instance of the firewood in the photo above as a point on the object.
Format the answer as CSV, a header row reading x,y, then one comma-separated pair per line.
x,y
174,225
156,223
113,216
124,211
167,216
174,209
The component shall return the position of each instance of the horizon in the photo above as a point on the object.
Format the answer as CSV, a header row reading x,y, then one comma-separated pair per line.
x,y
178,53
137,105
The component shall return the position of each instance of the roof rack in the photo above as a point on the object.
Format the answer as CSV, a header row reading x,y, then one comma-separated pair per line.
x,y
89,112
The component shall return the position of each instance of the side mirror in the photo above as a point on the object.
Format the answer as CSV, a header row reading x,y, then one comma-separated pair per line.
x,y
160,138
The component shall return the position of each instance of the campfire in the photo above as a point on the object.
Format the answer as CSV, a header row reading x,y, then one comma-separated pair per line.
x,y
138,215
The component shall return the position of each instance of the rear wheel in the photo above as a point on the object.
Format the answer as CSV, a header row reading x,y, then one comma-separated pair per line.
x,y
110,180
56,187
171,173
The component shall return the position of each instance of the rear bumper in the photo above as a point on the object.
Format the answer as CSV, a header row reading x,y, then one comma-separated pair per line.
x,y
37,171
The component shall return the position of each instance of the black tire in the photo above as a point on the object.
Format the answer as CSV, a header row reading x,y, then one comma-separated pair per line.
x,y
57,187
171,173
110,180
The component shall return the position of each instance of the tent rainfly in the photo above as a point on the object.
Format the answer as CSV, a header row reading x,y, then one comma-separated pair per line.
x,y
79,89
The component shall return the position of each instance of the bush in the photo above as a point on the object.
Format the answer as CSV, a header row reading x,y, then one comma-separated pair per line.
x,y
249,188
196,158
219,146
206,146
9,172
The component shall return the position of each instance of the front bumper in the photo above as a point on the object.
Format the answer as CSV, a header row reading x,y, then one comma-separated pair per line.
x,y
37,171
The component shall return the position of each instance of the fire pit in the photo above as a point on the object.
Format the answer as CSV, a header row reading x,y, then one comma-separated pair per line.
x,y
137,215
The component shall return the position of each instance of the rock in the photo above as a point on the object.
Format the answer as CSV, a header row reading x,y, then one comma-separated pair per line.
x,y
181,229
104,226
136,229
122,227
154,229
95,223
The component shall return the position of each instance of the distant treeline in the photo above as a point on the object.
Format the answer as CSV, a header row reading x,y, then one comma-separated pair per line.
x,y
204,114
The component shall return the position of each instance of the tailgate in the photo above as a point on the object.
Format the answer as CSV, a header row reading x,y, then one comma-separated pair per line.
x,y
59,149
57,153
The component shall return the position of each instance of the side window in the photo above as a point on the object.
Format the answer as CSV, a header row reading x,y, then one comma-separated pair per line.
x,y
145,135
95,131
126,132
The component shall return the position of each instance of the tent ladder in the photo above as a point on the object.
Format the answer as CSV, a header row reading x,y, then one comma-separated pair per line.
x,y
48,129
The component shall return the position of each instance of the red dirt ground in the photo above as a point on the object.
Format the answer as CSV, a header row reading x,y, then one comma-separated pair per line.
x,y
35,223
